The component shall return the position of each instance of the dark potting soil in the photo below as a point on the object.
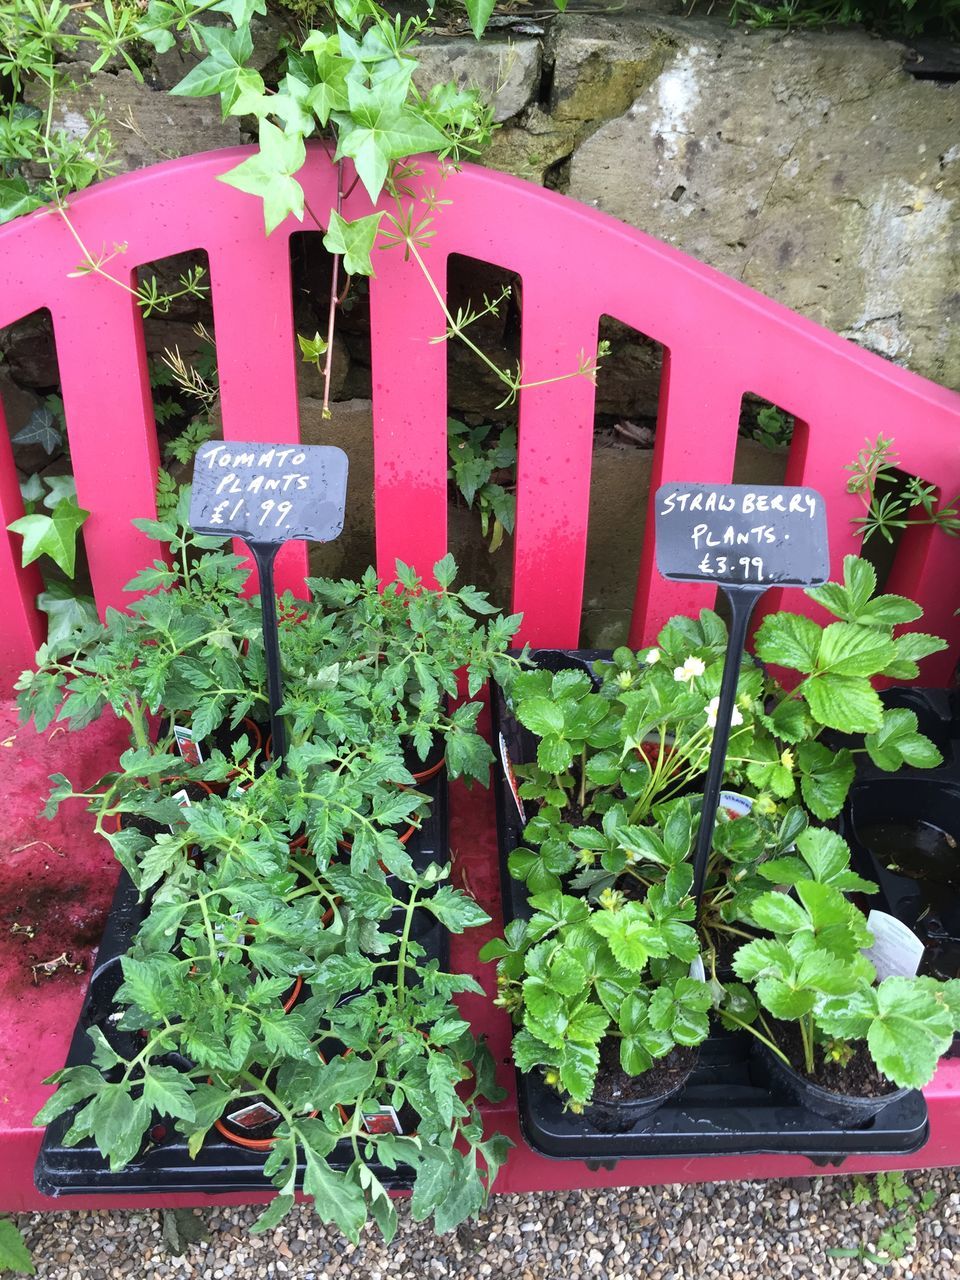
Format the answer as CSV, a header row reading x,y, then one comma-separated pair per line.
x,y
859,1078
614,1085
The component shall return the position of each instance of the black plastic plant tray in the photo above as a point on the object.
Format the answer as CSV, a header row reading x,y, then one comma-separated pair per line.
x,y
728,1107
220,1166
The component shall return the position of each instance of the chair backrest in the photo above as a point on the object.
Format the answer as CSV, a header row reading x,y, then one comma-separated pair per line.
x,y
720,339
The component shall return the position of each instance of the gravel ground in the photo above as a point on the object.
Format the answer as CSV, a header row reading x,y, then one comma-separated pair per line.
x,y
743,1231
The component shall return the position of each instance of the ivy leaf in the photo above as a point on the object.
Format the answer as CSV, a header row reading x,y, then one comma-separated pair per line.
x,y
41,428
330,93
241,11
311,349
54,535
67,613
270,174
380,129
14,1255
16,198
479,11
354,241
58,488
224,70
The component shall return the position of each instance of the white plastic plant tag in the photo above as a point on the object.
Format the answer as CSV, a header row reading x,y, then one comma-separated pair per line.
x,y
896,950
183,800
383,1120
697,970
253,1116
189,750
736,805
511,779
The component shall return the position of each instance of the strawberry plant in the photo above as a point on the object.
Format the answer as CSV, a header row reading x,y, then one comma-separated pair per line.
x,y
574,975
811,972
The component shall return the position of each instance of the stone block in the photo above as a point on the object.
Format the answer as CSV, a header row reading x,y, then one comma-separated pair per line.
x,y
811,166
507,72
146,123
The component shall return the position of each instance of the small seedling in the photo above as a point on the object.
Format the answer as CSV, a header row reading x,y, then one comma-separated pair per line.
x,y
891,504
904,1208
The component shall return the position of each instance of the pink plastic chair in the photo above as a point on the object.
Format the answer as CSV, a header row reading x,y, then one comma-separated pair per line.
x,y
720,340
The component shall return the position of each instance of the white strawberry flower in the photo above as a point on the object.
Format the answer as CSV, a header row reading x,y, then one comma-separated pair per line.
x,y
691,668
713,707
652,657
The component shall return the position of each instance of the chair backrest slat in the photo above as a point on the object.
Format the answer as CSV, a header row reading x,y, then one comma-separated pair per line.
x,y
113,440
555,453
409,376
251,292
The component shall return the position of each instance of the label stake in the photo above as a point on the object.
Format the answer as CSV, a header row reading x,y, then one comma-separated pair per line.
x,y
744,539
269,495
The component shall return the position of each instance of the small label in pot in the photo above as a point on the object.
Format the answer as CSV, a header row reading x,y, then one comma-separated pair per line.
x,y
253,1116
736,805
896,950
511,779
697,970
383,1120
189,750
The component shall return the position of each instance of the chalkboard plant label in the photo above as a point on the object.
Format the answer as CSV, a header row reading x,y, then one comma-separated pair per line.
x,y
269,492
741,535
745,538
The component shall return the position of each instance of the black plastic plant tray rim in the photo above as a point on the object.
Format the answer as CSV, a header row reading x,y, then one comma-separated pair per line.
x,y
220,1166
726,1108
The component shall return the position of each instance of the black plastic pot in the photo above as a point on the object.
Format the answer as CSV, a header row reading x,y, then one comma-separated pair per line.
x,y
906,833
730,1105
164,1164
843,1109
611,1116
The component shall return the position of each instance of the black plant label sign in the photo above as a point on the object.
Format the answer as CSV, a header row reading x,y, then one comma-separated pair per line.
x,y
741,535
269,493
